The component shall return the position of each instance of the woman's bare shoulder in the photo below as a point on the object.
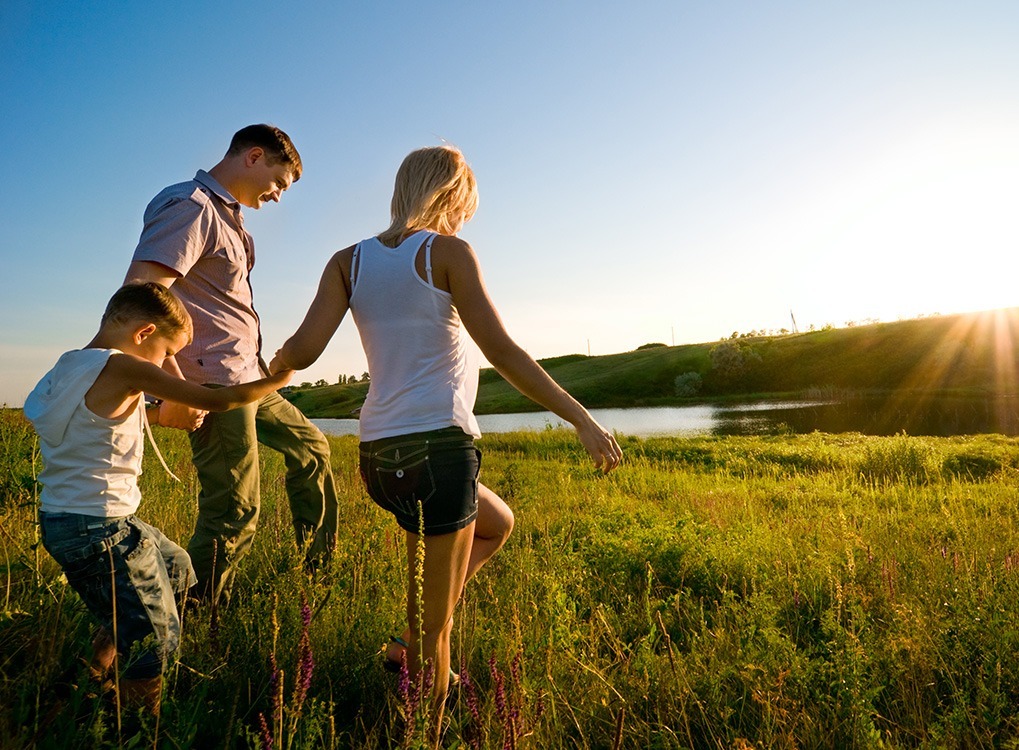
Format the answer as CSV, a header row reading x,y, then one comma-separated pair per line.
x,y
452,249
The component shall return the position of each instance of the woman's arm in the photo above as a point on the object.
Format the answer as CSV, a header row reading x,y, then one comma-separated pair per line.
x,y
323,318
458,267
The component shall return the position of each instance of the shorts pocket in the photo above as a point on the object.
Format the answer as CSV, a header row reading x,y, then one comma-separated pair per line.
x,y
404,477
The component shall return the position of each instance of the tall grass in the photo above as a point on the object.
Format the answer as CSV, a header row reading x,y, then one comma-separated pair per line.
x,y
782,591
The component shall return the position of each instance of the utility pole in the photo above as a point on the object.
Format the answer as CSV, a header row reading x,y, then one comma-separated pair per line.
x,y
795,329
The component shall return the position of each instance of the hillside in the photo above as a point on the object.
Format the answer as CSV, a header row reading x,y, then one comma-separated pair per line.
x,y
971,353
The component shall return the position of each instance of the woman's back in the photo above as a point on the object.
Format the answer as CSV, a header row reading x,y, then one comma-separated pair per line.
x,y
422,363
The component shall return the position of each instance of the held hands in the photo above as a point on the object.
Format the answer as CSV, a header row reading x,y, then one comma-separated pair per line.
x,y
179,416
280,376
279,365
601,445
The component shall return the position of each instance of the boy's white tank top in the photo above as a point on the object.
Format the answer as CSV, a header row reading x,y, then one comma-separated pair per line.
x,y
423,365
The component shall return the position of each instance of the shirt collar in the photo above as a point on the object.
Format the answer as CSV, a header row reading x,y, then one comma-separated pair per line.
x,y
221,192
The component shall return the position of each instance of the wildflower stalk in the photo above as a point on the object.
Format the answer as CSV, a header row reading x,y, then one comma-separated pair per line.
x,y
305,665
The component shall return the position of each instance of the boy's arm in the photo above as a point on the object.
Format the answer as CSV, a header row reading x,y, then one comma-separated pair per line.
x,y
139,375
171,413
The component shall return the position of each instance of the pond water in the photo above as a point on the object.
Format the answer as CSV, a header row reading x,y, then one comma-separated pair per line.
x,y
914,415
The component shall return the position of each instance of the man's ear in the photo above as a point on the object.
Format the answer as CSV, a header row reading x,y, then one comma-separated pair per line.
x,y
143,332
253,155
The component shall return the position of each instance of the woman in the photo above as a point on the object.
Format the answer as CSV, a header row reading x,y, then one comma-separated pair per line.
x,y
408,289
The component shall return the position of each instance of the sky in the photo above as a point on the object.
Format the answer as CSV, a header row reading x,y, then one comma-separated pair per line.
x,y
667,172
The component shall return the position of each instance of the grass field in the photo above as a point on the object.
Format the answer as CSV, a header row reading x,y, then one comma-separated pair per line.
x,y
776,592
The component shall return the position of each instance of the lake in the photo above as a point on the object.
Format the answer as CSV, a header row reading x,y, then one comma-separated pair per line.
x,y
888,415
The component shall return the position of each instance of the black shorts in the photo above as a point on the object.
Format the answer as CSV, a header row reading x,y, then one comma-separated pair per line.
x,y
436,471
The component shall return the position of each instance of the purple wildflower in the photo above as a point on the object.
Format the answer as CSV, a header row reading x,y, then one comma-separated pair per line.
x,y
407,689
274,685
264,733
305,660
518,691
470,692
500,689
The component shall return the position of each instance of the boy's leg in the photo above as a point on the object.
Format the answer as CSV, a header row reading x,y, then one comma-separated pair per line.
x,y
310,488
116,567
179,570
225,454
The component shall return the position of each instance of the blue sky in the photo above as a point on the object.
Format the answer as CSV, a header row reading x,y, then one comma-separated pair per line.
x,y
649,171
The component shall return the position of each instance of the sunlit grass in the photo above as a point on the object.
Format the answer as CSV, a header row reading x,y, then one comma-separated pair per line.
x,y
788,591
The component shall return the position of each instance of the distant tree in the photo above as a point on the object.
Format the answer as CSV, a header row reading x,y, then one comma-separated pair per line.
x,y
731,361
342,380
305,384
650,346
320,383
365,377
688,384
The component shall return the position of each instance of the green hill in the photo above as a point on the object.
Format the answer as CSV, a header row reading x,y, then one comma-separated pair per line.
x,y
970,353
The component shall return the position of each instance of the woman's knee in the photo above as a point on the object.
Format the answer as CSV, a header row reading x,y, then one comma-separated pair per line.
x,y
495,517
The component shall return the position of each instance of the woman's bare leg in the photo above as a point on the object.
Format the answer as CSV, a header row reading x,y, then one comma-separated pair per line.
x,y
491,530
445,570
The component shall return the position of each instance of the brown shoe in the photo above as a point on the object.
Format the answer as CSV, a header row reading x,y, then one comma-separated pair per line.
x,y
143,693
104,651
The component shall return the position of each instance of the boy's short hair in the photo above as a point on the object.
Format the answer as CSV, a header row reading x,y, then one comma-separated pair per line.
x,y
149,302
277,145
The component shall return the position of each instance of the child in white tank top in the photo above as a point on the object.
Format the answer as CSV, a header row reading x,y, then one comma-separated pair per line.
x,y
89,413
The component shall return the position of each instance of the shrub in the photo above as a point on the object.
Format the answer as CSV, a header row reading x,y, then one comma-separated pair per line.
x,y
688,384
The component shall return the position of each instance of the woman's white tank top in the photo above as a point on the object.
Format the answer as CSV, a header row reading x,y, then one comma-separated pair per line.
x,y
423,365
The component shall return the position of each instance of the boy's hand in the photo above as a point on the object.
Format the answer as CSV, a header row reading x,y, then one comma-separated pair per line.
x,y
180,417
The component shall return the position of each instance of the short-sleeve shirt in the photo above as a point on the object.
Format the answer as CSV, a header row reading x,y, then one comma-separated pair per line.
x,y
196,229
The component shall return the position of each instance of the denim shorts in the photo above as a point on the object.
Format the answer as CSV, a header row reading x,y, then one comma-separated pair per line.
x,y
126,561
438,469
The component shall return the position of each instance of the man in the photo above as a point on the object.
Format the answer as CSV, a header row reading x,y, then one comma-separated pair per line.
x,y
195,242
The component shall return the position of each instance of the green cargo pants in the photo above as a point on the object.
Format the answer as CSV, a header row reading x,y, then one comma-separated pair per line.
x,y
225,454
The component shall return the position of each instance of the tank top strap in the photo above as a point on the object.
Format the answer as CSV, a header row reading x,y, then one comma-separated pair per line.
x,y
355,267
428,259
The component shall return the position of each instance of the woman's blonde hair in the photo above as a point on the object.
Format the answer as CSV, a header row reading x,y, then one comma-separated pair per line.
x,y
436,190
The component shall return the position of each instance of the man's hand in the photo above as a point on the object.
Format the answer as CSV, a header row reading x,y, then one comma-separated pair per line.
x,y
180,417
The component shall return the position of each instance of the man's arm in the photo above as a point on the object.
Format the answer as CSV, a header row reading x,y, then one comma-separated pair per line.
x,y
141,271
171,414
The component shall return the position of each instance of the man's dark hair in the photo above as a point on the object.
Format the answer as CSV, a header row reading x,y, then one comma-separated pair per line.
x,y
277,146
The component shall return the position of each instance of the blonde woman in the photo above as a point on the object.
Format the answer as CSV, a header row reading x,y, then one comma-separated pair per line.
x,y
409,289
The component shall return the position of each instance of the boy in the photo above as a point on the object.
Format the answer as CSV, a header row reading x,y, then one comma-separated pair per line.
x,y
89,413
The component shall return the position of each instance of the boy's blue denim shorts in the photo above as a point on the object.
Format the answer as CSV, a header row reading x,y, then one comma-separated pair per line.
x,y
439,469
127,561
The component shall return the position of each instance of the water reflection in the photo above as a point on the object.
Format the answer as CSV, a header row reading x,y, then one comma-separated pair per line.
x,y
914,415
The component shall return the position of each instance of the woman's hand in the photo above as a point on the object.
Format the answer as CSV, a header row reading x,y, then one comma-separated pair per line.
x,y
278,364
600,444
